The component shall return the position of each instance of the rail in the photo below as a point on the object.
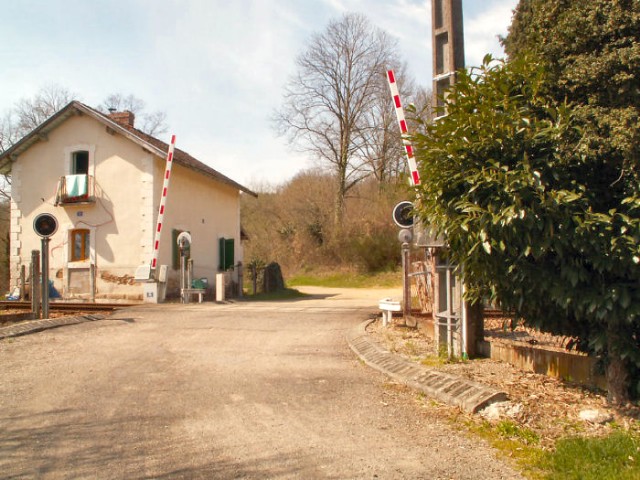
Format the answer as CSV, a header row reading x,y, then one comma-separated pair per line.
x,y
64,306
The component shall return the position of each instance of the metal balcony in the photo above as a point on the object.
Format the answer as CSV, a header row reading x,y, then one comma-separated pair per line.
x,y
75,189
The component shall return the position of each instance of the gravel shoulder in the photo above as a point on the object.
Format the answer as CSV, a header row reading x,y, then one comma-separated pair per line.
x,y
547,406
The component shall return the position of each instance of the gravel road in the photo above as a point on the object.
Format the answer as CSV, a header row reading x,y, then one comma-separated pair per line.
x,y
239,390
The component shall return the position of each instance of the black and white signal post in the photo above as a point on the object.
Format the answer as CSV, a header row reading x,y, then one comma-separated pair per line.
x,y
45,225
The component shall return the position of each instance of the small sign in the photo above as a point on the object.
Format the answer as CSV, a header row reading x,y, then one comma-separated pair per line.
x,y
403,214
45,225
405,235
184,240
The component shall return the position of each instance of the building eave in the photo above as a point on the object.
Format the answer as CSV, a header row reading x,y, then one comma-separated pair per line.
x,y
151,144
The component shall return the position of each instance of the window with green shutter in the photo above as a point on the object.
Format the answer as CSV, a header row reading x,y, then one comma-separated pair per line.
x,y
226,249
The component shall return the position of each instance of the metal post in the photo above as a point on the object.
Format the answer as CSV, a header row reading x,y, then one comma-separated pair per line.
x,y
183,274
254,278
463,317
92,282
406,286
45,277
34,273
22,282
240,279
449,311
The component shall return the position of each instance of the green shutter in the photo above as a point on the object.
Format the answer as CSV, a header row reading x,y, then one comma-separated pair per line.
x,y
227,253
221,254
175,251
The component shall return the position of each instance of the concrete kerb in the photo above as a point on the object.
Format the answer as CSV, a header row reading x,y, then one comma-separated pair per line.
x,y
450,389
34,326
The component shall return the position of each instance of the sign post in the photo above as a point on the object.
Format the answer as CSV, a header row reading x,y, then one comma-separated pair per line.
x,y
45,225
405,236
403,217
184,242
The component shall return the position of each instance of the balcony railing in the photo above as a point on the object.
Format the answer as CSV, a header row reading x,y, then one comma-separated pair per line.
x,y
73,189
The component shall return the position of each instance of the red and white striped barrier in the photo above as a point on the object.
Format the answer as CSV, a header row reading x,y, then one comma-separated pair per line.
x,y
413,166
163,202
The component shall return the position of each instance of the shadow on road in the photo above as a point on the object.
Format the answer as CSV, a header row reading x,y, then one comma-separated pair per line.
x,y
63,446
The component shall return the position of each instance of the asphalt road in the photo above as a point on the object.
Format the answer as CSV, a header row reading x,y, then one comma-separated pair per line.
x,y
243,390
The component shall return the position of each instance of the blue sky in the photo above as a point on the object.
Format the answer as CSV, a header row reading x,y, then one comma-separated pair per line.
x,y
217,68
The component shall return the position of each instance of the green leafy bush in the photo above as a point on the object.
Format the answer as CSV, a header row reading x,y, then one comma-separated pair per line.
x,y
523,206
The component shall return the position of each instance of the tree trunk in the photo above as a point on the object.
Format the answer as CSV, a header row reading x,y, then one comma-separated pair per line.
x,y
341,193
338,213
617,372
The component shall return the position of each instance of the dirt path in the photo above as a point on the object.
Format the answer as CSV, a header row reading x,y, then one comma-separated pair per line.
x,y
245,390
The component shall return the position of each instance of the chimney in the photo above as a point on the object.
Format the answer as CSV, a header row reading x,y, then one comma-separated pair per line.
x,y
125,118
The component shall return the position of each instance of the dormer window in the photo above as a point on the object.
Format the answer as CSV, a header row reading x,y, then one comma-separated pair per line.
x,y
80,163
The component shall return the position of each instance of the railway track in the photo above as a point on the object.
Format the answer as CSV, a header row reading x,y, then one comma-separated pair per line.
x,y
64,306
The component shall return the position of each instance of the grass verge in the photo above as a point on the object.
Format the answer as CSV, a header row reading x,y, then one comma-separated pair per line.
x,y
517,443
347,280
613,457
286,294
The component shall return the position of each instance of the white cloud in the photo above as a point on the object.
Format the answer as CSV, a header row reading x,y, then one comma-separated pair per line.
x,y
216,67
481,31
341,6
248,161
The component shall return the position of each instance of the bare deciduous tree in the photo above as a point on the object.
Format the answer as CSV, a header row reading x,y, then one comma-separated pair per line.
x,y
31,112
329,101
8,133
423,109
381,145
293,225
27,114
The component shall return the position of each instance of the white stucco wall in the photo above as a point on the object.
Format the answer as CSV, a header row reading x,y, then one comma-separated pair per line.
x,y
206,213
122,221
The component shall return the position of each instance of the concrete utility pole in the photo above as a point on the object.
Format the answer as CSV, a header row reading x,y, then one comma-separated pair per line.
x,y
448,58
448,47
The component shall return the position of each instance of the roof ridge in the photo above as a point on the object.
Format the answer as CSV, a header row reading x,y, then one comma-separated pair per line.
x,y
156,145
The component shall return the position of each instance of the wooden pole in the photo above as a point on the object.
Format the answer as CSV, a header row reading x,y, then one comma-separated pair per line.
x,y
92,282
23,282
